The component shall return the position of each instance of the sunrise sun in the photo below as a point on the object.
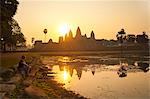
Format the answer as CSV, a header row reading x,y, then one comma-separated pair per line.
x,y
63,29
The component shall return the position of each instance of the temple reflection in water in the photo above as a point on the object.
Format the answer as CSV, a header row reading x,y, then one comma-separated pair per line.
x,y
68,68
92,76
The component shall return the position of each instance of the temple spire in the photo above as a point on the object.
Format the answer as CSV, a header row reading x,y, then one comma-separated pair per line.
x,y
66,37
78,33
92,35
70,34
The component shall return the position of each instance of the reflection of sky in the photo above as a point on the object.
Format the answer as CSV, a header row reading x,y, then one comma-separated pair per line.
x,y
105,83
100,80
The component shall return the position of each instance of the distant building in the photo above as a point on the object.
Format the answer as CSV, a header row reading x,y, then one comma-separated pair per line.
x,y
70,35
60,39
92,35
83,43
78,33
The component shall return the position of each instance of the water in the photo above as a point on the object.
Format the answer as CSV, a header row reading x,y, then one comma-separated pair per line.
x,y
96,76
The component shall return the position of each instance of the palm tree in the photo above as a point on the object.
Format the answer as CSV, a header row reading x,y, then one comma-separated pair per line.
x,y
45,32
121,36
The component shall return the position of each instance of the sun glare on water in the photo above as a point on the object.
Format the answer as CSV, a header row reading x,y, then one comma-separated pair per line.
x,y
65,75
63,29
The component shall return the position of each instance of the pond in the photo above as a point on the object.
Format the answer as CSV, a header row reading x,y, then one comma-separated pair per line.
x,y
96,76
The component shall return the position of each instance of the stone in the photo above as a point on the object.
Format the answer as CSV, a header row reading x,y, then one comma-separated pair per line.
x,y
15,79
1,79
7,74
7,87
35,92
2,95
27,83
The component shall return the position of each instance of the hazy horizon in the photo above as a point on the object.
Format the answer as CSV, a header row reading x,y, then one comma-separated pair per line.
x,y
105,18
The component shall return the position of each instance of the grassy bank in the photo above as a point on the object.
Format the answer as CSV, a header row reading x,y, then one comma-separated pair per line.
x,y
35,85
9,59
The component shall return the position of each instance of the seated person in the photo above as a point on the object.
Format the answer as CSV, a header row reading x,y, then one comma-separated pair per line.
x,y
23,67
122,72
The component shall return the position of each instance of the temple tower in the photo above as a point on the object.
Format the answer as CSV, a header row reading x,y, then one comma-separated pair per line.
x,y
66,37
60,39
78,33
85,36
70,35
92,35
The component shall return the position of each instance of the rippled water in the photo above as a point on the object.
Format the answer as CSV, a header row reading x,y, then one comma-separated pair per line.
x,y
96,76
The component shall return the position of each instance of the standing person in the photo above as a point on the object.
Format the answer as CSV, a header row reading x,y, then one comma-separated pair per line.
x,y
23,67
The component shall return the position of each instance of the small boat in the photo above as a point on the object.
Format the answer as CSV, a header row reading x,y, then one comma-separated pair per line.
x,y
143,66
122,72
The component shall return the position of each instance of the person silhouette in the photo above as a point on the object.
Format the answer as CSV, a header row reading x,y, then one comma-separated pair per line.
x,y
122,72
23,67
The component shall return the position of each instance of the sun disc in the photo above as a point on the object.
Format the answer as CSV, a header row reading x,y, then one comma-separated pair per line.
x,y
64,29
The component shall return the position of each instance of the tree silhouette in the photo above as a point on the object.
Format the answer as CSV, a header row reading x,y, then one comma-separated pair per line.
x,y
10,31
131,38
17,35
121,36
142,38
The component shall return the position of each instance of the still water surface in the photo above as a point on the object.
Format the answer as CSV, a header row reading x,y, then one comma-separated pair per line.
x,y
96,76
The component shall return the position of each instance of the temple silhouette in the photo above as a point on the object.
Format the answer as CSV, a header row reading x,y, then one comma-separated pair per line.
x,y
83,43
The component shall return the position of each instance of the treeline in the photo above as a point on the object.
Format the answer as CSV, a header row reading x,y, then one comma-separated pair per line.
x,y
131,38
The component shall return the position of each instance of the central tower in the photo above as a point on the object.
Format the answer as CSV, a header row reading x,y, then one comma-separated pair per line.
x,y
78,33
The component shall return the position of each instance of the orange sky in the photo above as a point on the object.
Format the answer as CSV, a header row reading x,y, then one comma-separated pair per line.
x,y
105,17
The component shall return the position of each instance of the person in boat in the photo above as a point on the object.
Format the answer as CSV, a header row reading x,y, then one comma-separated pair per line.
x,y
23,67
123,67
122,72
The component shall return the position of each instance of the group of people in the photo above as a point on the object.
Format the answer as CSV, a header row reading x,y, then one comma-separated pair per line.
x,y
23,68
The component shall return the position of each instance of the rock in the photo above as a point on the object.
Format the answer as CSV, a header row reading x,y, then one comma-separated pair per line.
x,y
1,79
2,95
7,74
15,79
27,83
7,87
2,70
43,69
35,92
14,68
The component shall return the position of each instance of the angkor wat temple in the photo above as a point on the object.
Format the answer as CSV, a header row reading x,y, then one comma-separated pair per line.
x,y
84,43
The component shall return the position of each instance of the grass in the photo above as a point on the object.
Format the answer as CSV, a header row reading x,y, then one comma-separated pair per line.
x,y
9,59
